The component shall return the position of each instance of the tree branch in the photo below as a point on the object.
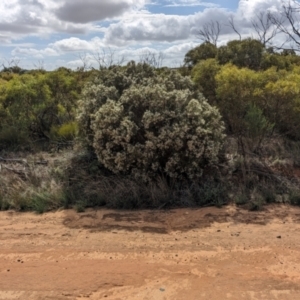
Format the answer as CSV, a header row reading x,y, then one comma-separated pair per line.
x,y
210,32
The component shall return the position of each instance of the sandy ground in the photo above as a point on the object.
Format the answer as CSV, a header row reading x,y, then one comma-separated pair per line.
x,y
185,254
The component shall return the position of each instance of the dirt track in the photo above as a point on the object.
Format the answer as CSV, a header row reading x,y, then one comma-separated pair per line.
x,y
185,254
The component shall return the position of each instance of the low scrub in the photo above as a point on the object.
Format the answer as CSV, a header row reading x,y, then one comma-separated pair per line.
x,y
76,178
28,184
90,184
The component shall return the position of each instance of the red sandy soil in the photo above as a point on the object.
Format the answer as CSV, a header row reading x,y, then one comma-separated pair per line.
x,y
188,254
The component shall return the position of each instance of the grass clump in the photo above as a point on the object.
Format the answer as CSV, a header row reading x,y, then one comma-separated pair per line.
x,y
241,198
80,206
268,194
256,204
294,197
28,186
4,205
209,193
46,201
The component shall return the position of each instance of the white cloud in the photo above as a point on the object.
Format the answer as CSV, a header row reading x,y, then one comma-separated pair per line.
x,y
20,18
72,45
247,9
129,28
78,11
161,27
145,28
31,52
193,3
178,49
77,45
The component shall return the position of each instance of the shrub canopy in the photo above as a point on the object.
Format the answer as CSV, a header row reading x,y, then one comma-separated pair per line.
x,y
143,124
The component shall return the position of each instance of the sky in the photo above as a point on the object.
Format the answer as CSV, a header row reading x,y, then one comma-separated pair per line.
x,y
76,33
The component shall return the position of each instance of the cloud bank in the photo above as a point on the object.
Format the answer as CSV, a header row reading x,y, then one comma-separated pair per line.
x,y
70,26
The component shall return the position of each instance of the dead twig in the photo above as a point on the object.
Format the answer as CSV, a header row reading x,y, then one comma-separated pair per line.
x,y
17,160
23,173
23,161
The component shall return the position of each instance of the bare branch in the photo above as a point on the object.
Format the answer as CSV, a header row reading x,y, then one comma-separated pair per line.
x,y
106,58
264,27
10,64
151,58
288,22
85,61
210,32
233,27
39,65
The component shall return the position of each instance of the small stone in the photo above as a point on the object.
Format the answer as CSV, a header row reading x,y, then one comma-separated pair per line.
x,y
162,289
279,236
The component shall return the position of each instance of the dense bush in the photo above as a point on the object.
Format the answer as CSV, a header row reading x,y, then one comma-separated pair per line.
x,y
202,52
281,100
204,76
257,127
246,53
38,105
275,92
143,124
234,90
23,103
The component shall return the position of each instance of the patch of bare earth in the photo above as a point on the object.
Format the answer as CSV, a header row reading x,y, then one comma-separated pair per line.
x,y
185,254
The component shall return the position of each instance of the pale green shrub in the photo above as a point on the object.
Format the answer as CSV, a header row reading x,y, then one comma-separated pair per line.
x,y
65,132
158,124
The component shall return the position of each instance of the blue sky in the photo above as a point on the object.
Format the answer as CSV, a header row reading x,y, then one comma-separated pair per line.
x,y
74,33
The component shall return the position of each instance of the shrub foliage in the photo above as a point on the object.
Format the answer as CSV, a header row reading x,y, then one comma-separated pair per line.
x,y
144,124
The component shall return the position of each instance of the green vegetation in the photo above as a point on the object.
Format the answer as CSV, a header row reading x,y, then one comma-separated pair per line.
x,y
152,125
154,138
200,53
38,105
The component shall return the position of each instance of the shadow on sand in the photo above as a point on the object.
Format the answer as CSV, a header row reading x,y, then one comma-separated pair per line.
x,y
165,221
